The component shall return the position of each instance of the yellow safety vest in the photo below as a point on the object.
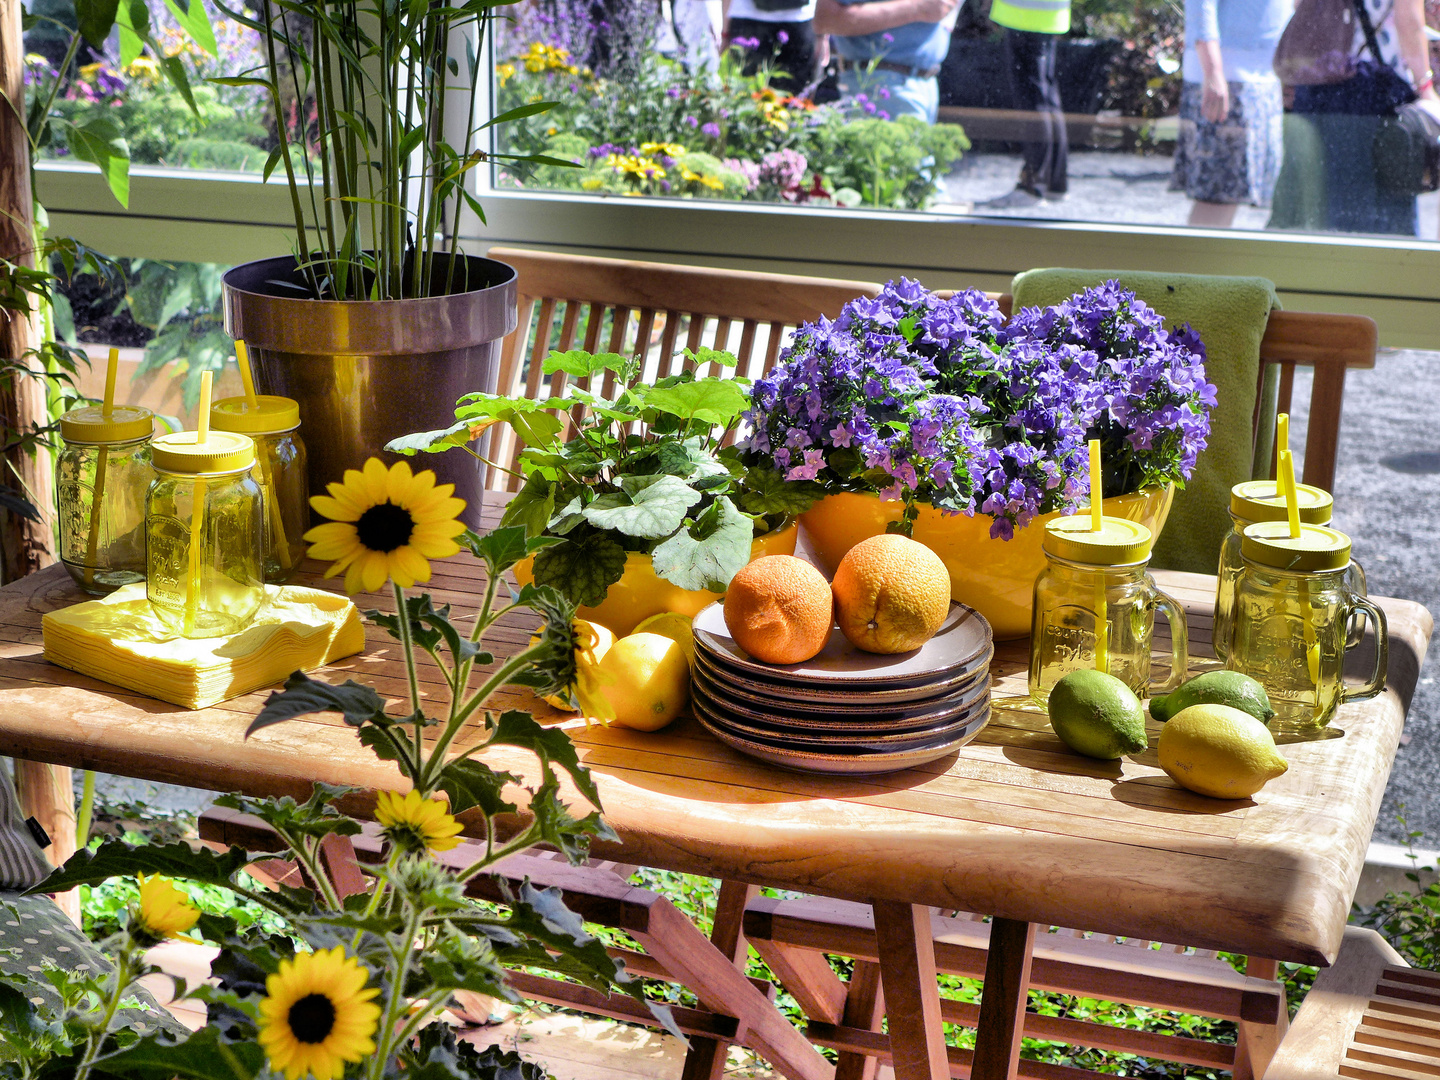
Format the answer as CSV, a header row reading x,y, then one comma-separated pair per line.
x,y
1037,16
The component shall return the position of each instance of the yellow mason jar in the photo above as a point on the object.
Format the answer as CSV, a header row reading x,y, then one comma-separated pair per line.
x,y
1261,500
1095,607
101,479
1292,607
274,423
204,530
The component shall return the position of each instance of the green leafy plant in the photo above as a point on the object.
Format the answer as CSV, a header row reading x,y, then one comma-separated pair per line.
x,y
380,175
350,984
643,471
1409,920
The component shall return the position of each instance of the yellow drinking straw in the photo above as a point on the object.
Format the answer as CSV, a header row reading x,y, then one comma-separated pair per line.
x,y
1282,443
1097,523
197,511
271,497
1292,510
97,497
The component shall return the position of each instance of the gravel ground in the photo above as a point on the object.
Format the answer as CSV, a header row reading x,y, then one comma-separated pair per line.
x,y
1124,188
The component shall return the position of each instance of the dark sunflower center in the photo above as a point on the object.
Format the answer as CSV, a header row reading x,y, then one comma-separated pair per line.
x,y
312,1018
385,527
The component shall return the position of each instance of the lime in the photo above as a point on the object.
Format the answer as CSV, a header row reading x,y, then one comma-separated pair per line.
x,y
675,626
1215,688
1219,751
650,680
1097,715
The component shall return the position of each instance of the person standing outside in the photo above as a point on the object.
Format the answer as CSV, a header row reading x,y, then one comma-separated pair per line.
x,y
1231,107
1032,37
890,51
779,34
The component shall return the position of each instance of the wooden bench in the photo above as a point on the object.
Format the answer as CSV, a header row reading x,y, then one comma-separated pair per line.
x,y
1370,1016
734,1008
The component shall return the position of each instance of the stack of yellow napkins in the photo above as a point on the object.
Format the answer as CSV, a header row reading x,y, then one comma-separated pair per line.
x,y
119,639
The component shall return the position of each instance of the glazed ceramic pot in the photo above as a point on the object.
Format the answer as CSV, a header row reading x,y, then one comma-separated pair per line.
x,y
641,593
995,577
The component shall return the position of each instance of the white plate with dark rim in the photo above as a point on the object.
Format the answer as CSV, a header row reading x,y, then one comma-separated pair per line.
x,y
963,638
854,764
842,697
781,716
857,740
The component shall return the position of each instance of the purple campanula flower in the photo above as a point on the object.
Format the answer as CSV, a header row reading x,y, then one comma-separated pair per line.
x,y
710,130
690,122
782,37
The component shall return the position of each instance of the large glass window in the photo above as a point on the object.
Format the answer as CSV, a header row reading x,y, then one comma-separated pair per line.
x,y
1166,113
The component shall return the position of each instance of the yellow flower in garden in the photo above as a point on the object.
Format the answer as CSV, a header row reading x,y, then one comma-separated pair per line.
x,y
317,1015
164,911
143,67
414,823
714,183
89,72
506,72
669,149
385,523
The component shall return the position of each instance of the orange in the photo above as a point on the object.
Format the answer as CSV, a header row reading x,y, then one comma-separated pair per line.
x,y
891,594
778,609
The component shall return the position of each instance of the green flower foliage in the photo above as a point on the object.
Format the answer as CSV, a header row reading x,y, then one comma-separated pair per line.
x,y
643,472
413,930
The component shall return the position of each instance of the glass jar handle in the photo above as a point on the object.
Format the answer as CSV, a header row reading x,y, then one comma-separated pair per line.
x,y
1179,640
1382,653
1355,583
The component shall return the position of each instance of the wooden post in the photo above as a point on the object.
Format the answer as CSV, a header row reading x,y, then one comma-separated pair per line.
x,y
912,994
45,790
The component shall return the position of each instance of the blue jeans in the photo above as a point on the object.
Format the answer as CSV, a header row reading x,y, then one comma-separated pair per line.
x,y
902,95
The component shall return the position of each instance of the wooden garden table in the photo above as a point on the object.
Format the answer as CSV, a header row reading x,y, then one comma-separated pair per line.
x,y
1013,825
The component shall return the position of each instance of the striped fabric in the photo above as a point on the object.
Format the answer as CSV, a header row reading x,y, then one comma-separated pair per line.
x,y
22,863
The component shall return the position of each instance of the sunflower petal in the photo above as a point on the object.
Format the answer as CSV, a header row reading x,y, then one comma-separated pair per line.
x,y
334,509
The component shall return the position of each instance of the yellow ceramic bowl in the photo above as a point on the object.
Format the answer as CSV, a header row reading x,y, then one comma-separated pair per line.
x,y
641,592
995,577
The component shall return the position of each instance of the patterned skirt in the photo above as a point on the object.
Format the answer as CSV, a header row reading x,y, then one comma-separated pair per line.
x,y
1238,159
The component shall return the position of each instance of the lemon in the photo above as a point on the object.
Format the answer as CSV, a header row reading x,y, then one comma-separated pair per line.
x,y
675,626
1097,715
603,640
1219,751
651,680
1231,688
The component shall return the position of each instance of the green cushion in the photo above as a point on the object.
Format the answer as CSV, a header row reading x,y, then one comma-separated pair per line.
x,y
35,934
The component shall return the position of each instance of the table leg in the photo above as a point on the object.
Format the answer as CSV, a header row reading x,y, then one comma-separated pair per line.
x,y
705,1060
864,1007
1002,1006
906,945
47,794
1257,1041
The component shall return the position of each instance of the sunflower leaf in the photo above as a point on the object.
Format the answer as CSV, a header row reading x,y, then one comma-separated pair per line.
x,y
500,549
115,858
429,627
205,1055
515,728
708,553
649,507
303,695
316,817
472,783
583,568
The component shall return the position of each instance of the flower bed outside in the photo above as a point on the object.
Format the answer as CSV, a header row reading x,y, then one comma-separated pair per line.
x,y
655,128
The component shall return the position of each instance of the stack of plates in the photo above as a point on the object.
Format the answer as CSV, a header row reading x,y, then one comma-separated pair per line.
x,y
846,711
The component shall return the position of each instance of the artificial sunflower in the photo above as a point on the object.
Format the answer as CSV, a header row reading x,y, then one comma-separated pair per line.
x,y
164,911
415,823
385,523
317,1015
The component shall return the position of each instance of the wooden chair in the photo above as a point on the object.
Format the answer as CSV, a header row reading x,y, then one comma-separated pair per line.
x,y
1370,1016
571,301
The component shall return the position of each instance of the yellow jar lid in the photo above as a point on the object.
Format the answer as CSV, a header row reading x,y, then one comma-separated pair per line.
x,y
269,414
222,452
87,424
1269,543
1120,542
1260,500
